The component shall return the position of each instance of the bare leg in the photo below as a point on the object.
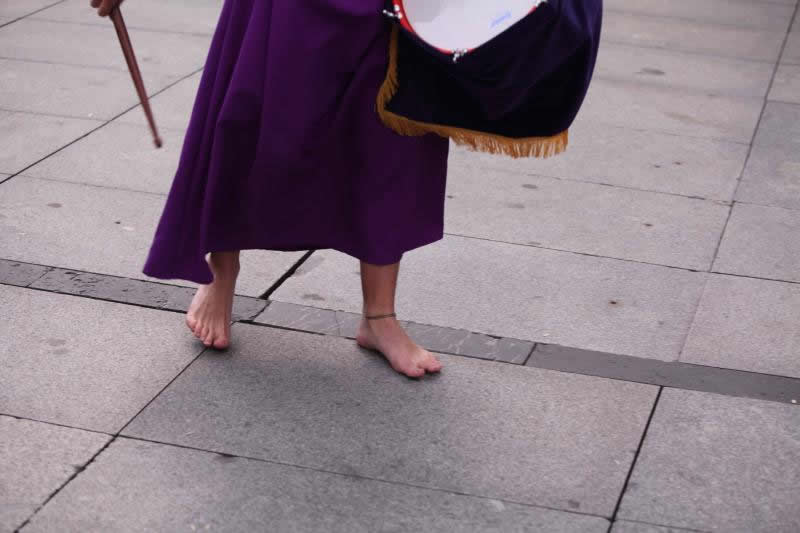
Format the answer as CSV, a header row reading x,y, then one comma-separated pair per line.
x,y
386,335
209,315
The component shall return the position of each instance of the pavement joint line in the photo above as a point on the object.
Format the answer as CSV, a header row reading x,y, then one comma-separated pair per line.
x,y
360,476
13,20
700,53
678,18
286,275
665,526
487,166
100,126
670,374
635,459
57,424
129,26
75,65
576,252
767,205
95,185
764,103
52,115
114,119
76,473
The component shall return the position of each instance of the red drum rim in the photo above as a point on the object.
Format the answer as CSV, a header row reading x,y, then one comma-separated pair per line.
x,y
402,17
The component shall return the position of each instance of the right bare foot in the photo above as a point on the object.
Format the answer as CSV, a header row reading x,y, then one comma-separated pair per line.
x,y
209,315
388,337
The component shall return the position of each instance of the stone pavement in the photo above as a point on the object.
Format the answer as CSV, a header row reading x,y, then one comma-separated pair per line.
x,y
620,325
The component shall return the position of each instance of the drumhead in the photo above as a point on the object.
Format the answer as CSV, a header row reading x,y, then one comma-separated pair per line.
x,y
463,24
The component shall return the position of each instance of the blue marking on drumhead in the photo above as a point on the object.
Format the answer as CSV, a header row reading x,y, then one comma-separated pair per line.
x,y
501,18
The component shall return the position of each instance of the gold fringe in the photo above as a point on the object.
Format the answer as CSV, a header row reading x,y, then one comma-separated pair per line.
x,y
475,140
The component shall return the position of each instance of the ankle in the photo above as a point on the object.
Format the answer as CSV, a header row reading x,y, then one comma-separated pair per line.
x,y
224,263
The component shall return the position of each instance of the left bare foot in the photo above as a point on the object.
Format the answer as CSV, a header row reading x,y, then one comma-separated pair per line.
x,y
388,337
209,315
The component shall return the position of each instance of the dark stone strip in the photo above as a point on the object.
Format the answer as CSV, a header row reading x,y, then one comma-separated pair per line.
x,y
134,291
435,338
20,274
667,373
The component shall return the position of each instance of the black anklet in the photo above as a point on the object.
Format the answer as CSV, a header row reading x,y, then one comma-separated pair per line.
x,y
379,316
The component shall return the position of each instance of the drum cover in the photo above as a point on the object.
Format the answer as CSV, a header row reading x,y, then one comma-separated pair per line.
x,y
516,94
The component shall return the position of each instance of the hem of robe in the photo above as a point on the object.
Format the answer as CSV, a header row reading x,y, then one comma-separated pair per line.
x,y
197,270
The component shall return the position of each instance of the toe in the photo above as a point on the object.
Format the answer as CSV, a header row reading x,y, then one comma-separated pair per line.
x,y
191,322
221,342
415,372
202,332
208,338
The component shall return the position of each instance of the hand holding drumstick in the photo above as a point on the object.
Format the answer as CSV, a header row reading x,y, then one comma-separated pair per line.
x,y
105,7
110,8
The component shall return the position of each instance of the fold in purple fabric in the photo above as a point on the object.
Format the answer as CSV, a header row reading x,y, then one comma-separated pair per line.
x,y
285,151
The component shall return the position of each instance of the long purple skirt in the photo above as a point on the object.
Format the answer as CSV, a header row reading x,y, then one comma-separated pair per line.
x,y
285,150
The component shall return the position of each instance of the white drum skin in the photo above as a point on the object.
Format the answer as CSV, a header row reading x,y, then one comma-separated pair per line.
x,y
461,25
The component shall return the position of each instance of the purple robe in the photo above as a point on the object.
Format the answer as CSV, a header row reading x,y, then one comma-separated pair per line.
x,y
285,150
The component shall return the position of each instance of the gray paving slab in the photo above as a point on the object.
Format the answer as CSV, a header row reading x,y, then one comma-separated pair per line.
x,y
761,241
646,160
762,44
21,8
172,107
773,15
195,16
117,155
625,526
47,222
786,86
35,460
26,138
20,274
640,106
667,68
5,20
156,52
525,293
66,90
747,324
483,429
177,489
718,463
85,363
772,175
779,125
589,218
791,53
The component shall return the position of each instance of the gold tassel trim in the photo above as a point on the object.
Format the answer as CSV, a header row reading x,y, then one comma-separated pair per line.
x,y
475,140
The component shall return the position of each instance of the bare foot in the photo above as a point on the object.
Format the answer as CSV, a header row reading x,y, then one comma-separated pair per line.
x,y
209,315
388,337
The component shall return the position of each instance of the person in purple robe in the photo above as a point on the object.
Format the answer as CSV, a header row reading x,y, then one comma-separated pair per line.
x,y
286,150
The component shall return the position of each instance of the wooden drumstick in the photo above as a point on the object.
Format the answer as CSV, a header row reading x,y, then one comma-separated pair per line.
x,y
133,67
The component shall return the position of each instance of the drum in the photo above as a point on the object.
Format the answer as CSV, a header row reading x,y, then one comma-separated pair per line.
x,y
455,28
499,76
